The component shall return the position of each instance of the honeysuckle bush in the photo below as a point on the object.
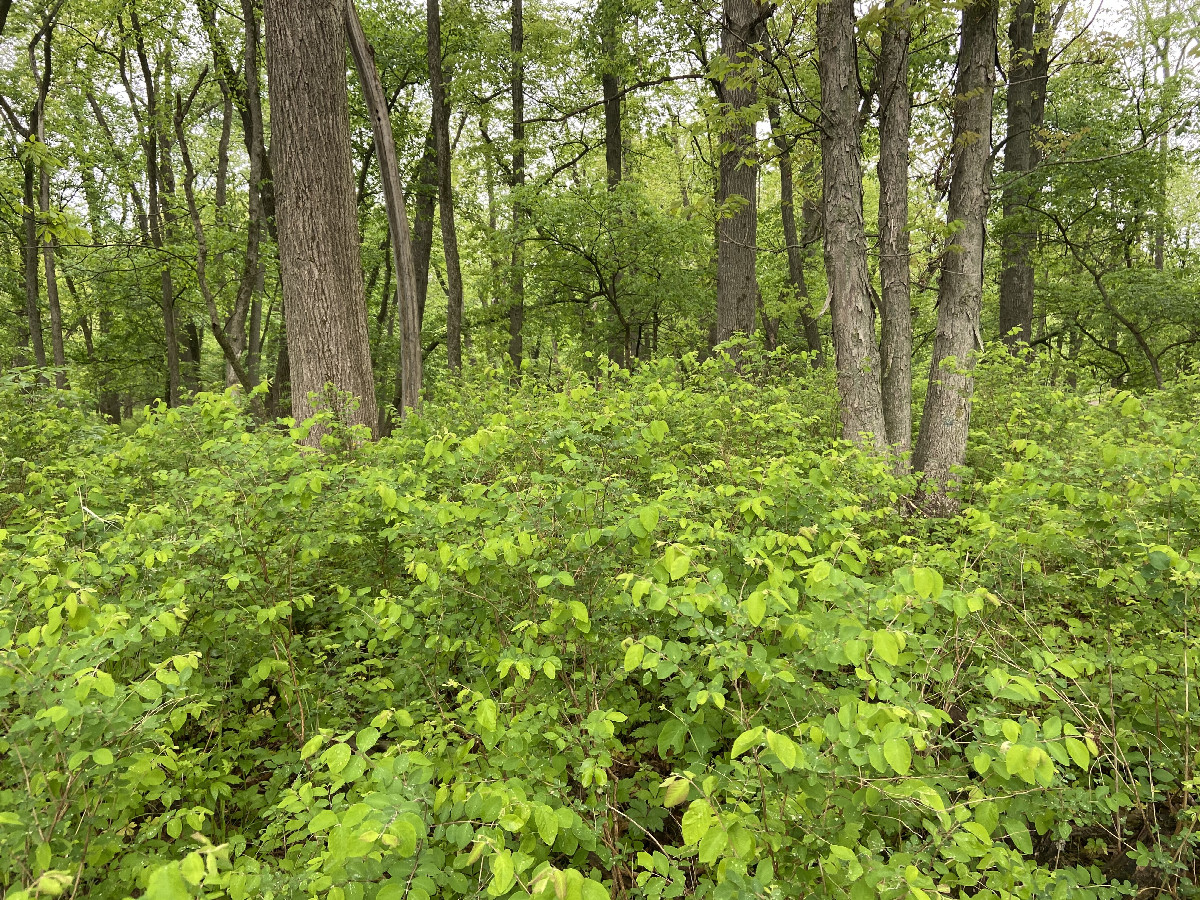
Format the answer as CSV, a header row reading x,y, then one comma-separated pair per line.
x,y
644,635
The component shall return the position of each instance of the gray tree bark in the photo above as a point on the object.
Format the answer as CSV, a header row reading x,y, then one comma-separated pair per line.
x,y
855,349
319,261
895,312
942,440
441,129
737,191
516,309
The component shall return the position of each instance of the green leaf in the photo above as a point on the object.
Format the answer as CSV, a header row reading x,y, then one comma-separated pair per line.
x,y
927,582
1078,752
311,746
336,757
696,822
886,647
366,739
166,883
745,741
594,890
547,823
104,757
486,714
677,791
678,563
502,874
406,836
322,821
784,748
648,516
634,656
756,607
712,844
192,868
898,755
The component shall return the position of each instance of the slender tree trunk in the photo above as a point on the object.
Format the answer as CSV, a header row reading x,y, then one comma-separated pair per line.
x,y
319,260
408,375
1016,276
222,186
33,306
942,441
441,128
737,193
895,312
425,187
796,251
856,353
516,309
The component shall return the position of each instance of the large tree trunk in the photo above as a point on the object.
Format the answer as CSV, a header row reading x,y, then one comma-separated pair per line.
x,y
796,250
33,306
319,261
441,129
895,345
942,441
856,353
425,188
516,309
408,375
737,192
52,299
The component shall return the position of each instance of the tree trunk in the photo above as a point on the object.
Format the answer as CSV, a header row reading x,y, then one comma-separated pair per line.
x,y
425,187
516,309
737,192
942,441
796,251
33,306
441,129
319,261
895,312
855,350
1016,276
408,375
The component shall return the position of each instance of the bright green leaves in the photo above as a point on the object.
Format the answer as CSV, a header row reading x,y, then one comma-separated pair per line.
x,y
336,757
1078,752
546,821
486,715
697,820
677,791
503,875
755,607
927,583
677,561
784,748
1030,764
166,883
746,740
886,645
634,656
898,755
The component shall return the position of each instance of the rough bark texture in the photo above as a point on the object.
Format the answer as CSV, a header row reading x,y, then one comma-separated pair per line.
x,y
425,189
942,441
33,310
857,354
441,129
409,371
791,237
319,261
516,309
895,311
737,192
1016,277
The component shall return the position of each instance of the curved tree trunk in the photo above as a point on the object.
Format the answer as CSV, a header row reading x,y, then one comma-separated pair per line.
x,y
319,261
942,441
857,354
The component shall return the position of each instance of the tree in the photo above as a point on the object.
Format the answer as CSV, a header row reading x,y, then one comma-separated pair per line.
x,y
942,440
855,349
737,191
895,312
319,260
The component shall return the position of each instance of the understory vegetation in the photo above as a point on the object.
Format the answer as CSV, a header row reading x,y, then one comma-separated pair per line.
x,y
635,634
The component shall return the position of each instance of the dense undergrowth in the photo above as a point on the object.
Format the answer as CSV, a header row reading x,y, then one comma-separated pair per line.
x,y
648,635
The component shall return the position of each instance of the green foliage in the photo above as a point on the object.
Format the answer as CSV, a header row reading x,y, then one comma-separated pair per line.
x,y
640,634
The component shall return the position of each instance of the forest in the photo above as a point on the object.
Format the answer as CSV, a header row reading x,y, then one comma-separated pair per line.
x,y
630,449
